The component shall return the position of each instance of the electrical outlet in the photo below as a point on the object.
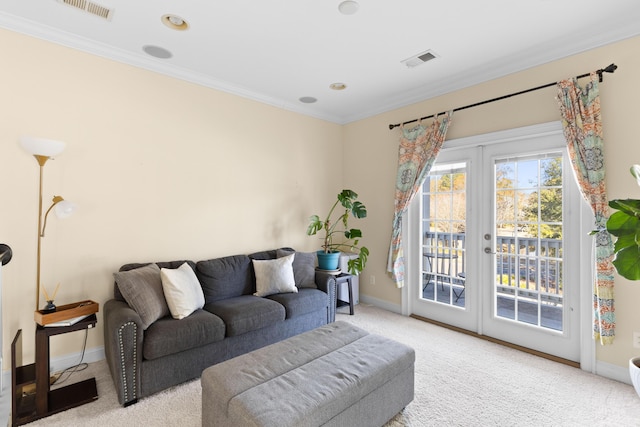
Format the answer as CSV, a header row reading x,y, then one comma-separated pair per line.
x,y
636,339
372,280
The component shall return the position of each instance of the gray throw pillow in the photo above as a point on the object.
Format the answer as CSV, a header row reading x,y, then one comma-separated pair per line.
x,y
142,289
304,268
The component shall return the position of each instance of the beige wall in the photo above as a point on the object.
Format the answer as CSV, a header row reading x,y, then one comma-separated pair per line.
x,y
164,169
374,174
161,169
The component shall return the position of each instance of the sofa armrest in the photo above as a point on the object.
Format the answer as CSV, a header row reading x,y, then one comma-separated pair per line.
x,y
123,337
327,283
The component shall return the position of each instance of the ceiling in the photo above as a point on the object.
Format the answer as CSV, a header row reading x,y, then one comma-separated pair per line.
x,y
279,51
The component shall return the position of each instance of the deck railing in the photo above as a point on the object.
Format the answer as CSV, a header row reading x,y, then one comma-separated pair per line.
x,y
526,266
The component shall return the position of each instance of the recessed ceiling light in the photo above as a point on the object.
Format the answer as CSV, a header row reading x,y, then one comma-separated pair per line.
x,y
348,7
338,86
174,22
308,99
157,51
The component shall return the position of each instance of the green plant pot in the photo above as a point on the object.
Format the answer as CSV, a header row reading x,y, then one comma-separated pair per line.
x,y
328,261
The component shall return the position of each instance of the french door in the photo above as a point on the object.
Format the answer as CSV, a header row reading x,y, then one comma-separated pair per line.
x,y
494,248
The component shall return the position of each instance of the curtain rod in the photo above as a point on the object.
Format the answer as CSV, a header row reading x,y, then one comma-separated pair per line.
x,y
610,69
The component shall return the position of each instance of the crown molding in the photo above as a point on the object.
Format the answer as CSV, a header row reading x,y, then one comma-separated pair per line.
x,y
29,28
530,58
540,55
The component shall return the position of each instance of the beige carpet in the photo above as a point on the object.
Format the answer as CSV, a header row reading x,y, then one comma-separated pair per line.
x,y
459,381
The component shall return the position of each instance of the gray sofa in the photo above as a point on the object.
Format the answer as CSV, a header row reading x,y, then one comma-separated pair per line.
x,y
148,350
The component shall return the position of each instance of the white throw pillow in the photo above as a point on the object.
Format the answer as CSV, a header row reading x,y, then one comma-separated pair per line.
x,y
274,276
182,290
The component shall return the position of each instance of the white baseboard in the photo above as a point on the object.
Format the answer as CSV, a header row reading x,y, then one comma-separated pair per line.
x,y
63,362
613,372
386,305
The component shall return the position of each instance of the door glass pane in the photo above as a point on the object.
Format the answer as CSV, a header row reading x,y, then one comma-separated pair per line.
x,y
444,213
528,278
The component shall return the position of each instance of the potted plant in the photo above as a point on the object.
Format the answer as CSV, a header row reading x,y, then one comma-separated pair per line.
x,y
625,225
346,238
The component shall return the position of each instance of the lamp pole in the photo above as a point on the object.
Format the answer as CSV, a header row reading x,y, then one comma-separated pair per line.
x,y
41,161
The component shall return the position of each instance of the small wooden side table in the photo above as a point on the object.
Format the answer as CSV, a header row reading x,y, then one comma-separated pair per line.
x,y
345,278
45,402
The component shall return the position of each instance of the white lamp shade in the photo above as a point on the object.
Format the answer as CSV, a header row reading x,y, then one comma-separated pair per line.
x,y
42,146
348,7
65,209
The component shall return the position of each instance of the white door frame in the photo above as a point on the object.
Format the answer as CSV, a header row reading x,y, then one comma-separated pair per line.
x,y
587,344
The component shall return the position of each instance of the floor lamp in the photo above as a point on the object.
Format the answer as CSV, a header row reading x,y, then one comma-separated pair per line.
x,y
43,150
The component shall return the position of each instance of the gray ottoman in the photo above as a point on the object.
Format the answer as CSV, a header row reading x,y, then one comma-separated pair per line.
x,y
335,375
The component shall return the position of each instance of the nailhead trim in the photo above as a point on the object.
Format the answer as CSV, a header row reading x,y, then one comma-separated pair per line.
x,y
125,389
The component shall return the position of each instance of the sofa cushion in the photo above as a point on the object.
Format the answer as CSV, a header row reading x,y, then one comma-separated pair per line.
x,y
304,267
132,266
274,276
142,290
262,255
303,302
167,335
226,277
181,290
246,313
270,254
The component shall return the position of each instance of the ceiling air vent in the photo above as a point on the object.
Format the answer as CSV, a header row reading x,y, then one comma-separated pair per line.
x,y
418,59
89,7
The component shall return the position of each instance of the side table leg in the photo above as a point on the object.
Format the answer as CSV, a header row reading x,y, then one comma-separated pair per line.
x,y
350,296
42,373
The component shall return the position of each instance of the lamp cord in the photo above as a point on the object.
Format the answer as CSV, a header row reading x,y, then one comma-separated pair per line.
x,y
81,366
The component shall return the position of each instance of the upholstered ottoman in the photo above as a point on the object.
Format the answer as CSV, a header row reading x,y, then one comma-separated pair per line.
x,y
335,375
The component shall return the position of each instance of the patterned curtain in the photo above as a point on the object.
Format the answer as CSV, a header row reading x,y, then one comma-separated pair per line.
x,y
582,124
418,149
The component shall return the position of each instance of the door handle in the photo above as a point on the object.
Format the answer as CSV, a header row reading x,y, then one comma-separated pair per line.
x,y
488,251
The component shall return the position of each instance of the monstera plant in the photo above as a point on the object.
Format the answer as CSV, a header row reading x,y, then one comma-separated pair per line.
x,y
338,228
625,225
